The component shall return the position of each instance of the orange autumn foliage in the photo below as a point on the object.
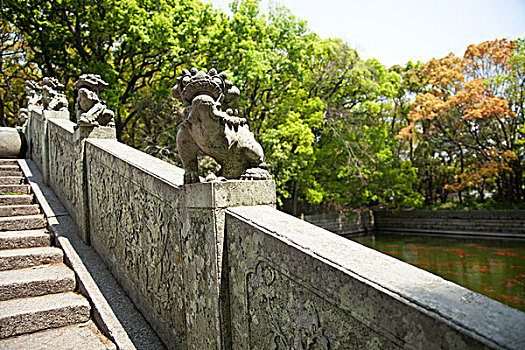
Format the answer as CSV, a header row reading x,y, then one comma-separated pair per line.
x,y
488,58
462,107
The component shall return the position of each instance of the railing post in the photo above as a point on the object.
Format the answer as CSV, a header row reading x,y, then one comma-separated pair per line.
x,y
94,120
206,293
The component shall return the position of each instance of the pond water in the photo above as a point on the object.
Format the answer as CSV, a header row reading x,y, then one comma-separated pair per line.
x,y
493,267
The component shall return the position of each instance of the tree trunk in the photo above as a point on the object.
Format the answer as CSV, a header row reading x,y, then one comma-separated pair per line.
x,y
295,198
462,165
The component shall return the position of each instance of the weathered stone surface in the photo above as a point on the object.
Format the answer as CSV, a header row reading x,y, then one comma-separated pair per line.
x,y
14,189
205,294
497,223
135,227
294,285
28,257
33,92
201,276
19,210
36,131
45,197
16,199
84,336
13,143
24,239
344,224
98,132
11,180
112,310
10,170
231,193
36,281
91,109
19,316
53,98
65,164
29,222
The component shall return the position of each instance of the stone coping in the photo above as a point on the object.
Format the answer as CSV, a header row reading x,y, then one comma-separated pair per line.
x,y
150,165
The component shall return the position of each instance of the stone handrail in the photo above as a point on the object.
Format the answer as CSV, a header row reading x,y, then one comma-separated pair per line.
x,y
216,266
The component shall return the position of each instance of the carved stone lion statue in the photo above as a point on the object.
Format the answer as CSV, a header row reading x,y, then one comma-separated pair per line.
x,y
53,98
216,132
90,108
33,92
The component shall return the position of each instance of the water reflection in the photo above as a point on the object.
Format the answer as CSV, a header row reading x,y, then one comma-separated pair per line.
x,y
495,268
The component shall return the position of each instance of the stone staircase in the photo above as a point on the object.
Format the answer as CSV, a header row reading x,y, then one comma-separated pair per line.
x,y
39,305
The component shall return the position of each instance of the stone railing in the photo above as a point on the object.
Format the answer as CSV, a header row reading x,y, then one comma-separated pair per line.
x,y
296,286
216,266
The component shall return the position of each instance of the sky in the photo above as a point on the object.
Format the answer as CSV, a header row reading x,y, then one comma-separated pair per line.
x,y
398,31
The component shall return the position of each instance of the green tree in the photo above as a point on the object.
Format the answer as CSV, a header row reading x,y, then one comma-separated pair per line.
x,y
14,70
136,46
359,158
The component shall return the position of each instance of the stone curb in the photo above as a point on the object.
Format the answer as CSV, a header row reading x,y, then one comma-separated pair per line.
x,y
63,226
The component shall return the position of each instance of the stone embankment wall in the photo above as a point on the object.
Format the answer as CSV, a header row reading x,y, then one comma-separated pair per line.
x,y
351,224
216,266
489,223
494,223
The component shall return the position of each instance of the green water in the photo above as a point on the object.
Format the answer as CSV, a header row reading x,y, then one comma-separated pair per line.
x,y
495,268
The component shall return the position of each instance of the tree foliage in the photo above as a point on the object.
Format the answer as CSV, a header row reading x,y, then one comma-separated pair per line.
x,y
335,128
14,70
465,115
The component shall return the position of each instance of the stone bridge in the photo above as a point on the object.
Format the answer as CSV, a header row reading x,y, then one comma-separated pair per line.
x,y
216,266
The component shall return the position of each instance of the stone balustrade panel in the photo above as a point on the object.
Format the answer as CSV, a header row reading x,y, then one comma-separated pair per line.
x,y
135,226
296,286
65,164
36,135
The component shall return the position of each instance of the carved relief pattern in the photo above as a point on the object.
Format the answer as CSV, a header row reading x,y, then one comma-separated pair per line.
x,y
37,134
63,158
140,232
285,312
295,323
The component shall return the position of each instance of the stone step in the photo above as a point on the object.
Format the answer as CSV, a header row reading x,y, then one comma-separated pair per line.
x,y
84,336
27,315
12,180
24,239
27,257
10,170
8,162
29,222
14,189
19,210
36,281
17,199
